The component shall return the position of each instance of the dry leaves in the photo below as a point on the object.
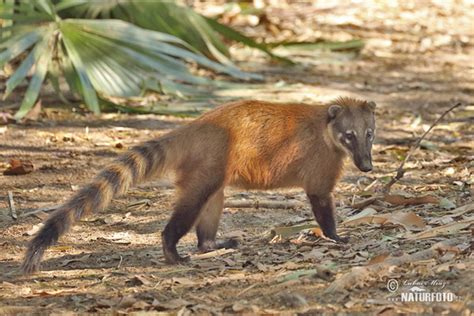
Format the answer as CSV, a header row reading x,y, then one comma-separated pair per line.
x,y
408,220
444,230
19,167
398,199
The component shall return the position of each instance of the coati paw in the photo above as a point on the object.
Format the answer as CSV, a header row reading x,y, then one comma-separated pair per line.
x,y
211,245
229,244
340,240
172,256
177,259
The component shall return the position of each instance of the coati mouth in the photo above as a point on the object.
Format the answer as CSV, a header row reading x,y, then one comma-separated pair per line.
x,y
364,165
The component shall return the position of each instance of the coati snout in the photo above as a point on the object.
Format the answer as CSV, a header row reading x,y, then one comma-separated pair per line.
x,y
353,130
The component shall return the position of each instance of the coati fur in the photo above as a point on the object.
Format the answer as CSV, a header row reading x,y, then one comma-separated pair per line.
x,y
245,144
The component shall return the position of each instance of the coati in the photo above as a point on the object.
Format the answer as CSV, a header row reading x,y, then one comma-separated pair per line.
x,y
246,144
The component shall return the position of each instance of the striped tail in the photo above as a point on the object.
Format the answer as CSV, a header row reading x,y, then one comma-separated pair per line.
x,y
138,164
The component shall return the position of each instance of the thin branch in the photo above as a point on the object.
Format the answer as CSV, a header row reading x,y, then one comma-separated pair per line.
x,y
40,210
11,205
263,204
400,170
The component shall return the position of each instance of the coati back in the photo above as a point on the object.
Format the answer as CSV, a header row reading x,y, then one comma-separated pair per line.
x,y
247,144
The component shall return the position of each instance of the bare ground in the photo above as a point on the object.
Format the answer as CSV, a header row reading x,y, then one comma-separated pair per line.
x,y
416,62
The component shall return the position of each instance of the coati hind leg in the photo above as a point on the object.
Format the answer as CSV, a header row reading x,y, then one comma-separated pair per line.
x,y
195,189
208,223
323,209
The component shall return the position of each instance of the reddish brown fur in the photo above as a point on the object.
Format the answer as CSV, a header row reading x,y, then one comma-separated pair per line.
x,y
248,144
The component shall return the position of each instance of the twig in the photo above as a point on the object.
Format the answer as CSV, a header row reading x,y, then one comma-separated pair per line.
x,y
212,254
43,209
247,289
120,263
364,203
11,205
400,170
263,204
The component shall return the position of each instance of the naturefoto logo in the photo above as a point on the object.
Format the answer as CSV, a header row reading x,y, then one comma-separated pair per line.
x,y
420,291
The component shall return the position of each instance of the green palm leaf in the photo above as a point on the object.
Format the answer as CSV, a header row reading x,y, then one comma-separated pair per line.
x,y
43,55
100,58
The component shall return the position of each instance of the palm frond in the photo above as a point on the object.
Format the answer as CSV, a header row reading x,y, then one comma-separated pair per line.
x,y
100,58
202,34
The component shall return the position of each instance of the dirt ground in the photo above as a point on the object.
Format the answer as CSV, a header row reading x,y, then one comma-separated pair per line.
x,y
417,61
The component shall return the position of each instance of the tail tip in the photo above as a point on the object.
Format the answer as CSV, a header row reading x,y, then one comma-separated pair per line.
x,y
30,265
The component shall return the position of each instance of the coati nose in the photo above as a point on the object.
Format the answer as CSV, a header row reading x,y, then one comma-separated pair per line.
x,y
366,166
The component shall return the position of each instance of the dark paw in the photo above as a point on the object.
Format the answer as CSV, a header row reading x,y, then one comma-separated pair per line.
x,y
228,244
176,259
209,245
340,240
172,256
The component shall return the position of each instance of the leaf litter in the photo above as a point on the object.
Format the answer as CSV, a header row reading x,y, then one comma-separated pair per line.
x,y
421,230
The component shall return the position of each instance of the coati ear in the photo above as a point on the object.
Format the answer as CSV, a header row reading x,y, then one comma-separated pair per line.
x,y
334,110
371,105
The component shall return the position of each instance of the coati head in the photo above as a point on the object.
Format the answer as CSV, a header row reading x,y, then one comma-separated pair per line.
x,y
352,129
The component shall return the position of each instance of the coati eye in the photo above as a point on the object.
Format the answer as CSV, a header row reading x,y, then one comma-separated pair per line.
x,y
370,134
350,135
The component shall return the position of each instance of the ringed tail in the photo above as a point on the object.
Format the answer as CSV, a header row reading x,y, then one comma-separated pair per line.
x,y
133,167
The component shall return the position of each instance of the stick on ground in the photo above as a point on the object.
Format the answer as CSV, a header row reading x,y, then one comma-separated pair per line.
x,y
263,204
43,209
11,205
400,170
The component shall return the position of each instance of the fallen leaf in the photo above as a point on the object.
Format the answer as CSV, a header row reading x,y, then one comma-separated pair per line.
x,y
295,275
398,199
314,254
140,305
284,232
235,234
183,281
409,220
127,301
378,258
19,167
211,254
292,300
19,310
446,204
33,230
447,229
119,238
462,210
171,304
365,212
80,259
60,248
138,280
364,203
139,204
425,144
44,293
107,302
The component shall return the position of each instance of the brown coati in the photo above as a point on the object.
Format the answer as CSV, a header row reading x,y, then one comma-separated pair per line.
x,y
247,144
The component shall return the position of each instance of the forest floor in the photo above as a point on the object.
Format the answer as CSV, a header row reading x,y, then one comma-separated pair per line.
x,y
416,63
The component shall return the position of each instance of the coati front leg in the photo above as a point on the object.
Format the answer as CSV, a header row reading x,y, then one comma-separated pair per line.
x,y
195,190
208,223
323,209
